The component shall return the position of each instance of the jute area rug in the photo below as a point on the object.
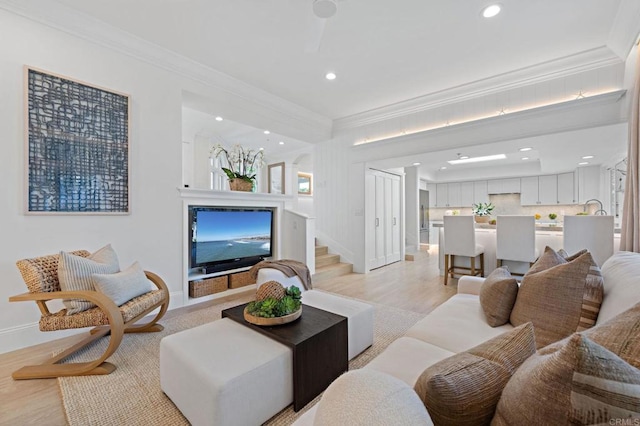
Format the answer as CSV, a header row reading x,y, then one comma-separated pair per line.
x,y
131,395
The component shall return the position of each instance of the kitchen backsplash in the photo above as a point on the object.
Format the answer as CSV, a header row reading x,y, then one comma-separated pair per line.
x,y
510,204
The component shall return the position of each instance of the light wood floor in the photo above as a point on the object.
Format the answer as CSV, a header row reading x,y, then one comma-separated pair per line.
x,y
410,285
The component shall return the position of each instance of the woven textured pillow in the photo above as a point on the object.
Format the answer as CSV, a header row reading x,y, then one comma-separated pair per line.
x,y
582,383
74,273
465,388
123,286
560,300
497,296
620,335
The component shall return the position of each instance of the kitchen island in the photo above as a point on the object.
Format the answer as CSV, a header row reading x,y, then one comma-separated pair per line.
x,y
546,235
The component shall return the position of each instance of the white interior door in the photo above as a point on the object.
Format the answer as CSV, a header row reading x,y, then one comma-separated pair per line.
x,y
395,235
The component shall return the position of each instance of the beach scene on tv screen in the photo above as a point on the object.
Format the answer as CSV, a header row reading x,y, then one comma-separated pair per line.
x,y
224,235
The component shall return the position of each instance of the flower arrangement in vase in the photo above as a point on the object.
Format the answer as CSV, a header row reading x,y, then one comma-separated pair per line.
x,y
241,165
482,212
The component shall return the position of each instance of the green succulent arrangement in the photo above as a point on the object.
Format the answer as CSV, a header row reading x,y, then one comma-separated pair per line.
x,y
552,216
272,307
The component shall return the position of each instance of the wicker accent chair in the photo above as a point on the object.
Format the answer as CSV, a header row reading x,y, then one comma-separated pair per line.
x,y
41,277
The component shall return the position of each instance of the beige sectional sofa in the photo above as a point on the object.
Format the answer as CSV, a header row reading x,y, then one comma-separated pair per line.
x,y
455,326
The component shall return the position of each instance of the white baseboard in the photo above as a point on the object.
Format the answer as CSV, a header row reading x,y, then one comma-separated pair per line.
x,y
23,336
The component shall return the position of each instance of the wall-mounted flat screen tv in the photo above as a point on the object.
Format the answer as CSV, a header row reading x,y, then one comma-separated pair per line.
x,y
225,238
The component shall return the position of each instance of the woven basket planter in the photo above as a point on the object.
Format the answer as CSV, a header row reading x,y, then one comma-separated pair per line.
x,y
272,321
238,184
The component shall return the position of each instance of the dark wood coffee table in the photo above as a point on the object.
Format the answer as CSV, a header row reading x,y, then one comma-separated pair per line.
x,y
319,343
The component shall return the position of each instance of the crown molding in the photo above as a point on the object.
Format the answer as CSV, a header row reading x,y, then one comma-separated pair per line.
x,y
586,113
569,65
83,26
625,29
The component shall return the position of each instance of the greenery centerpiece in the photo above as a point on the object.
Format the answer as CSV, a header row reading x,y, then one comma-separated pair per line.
x,y
274,305
482,212
241,165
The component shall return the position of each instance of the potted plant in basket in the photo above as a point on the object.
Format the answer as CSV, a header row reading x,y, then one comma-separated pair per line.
x,y
482,212
241,165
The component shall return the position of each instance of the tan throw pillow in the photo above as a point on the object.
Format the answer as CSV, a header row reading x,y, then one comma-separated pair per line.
x,y
549,259
582,383
620,335
560,300
464,389
74,273
497,296
123,286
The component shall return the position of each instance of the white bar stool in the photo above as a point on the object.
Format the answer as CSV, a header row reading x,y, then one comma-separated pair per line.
x,y
594,233
460,240
516,239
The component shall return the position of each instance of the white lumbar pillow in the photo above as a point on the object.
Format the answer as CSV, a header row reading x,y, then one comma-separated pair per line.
x,y
123,286
74,274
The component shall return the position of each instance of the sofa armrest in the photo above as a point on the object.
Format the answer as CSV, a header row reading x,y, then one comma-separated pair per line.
x,y
470,285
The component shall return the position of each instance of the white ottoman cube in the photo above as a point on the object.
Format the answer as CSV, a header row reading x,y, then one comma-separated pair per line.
x,y
224,373
359,315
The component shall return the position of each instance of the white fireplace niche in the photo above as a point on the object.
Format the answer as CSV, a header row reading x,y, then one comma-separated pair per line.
x,y
202,197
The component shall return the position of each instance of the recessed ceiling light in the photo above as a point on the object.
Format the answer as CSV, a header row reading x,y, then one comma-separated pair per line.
x,y
491,11
330,76
266,132
479,159
281,143
525,158
583,163
587,157
261,149
525,149
443,168
416,164
218,118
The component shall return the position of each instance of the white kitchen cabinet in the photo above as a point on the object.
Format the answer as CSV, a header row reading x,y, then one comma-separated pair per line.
x,y
442,195
431,187
548,190
383,191
529,191
588,183
566,188
466,194
453,199
480,192
504,186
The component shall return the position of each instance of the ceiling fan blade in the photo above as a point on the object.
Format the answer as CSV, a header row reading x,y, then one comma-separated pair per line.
x,y
315,31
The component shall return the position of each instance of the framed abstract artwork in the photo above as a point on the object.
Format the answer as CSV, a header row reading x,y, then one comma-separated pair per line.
x,y
77,147
276,178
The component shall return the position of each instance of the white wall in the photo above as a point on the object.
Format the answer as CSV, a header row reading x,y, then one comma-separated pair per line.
x,y
152,233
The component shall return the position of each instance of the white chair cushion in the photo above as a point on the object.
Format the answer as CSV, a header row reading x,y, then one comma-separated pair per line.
x,y
456,325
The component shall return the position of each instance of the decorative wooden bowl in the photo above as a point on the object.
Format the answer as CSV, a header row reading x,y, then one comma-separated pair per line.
x,y
272,321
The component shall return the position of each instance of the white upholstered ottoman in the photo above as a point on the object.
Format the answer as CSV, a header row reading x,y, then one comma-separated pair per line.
x,y
359,315
224,373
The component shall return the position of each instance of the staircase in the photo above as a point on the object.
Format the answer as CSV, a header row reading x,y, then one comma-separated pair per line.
x,y
329,266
